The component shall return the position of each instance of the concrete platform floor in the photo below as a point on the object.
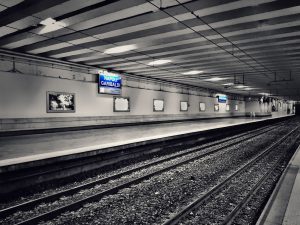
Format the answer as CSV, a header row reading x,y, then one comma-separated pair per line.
x,y
283,207
27,148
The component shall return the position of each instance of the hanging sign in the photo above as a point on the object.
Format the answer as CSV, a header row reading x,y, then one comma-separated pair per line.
x,y
109,84
222,98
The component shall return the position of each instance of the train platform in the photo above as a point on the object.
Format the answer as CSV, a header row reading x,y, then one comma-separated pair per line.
x,y
283,207
24,149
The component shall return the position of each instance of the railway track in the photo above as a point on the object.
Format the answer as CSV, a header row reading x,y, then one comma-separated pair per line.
x,y
77,204
192,208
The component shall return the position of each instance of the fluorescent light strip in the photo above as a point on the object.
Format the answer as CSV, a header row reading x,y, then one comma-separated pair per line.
x,y
263,93
241,86
50,25
193,72
216,79
250,88
159,62
120,49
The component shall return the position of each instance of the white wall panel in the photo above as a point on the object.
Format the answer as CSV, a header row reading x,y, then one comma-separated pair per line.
x,y
24,96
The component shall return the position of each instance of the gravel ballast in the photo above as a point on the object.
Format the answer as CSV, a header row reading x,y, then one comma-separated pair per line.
x,y
152,200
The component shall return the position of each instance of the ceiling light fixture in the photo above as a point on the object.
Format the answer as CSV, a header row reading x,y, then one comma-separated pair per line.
x,y
193,72
159,62
242,86
50,25
228,84
216,79
263,93
249,88
48,21
120,49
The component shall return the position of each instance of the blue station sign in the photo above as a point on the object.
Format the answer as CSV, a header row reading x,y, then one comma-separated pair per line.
x,y
110,84
222,98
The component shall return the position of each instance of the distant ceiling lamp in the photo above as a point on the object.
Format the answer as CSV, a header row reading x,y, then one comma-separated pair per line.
x,y
193,72
120,49
241,86
50,25
216,79
250,88
159,62
263,93
228,84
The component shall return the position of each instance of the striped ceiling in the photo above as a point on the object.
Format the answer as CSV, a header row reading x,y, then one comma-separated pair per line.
x,y
253,43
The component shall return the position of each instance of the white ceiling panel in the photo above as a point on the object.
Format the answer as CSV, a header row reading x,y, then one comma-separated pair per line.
x,y
253,39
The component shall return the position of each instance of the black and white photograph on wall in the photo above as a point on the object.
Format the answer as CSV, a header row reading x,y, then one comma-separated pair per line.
x,y
184,106
227,107
202,107
216,107
158,105
60,102
121,104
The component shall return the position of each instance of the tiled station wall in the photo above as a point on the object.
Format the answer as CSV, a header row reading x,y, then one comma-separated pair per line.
x,y
23,99
24,96
23,103
265,108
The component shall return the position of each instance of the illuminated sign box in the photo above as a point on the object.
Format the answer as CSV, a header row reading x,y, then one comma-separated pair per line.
x,y
109,84
222,98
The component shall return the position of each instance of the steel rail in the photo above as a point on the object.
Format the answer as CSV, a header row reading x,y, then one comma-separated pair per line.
x,y
177,217
232,215
77,204
57,195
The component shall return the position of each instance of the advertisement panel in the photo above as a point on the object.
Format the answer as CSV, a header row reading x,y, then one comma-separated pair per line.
x,y
222,98
109,84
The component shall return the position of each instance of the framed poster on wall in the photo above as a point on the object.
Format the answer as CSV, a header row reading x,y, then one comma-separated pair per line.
x,y
216,108
236,108
184,106
60,102
121,104
202,106
158,105
227,107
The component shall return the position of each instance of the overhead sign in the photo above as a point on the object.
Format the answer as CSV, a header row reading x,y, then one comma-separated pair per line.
x,y
109,84
222,98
